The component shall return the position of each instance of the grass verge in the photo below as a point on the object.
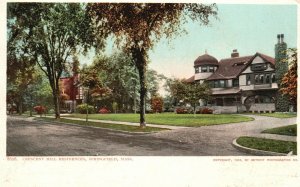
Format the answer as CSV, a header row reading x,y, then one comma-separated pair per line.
x,y
278,146
279,115
188,120
290,130
127,128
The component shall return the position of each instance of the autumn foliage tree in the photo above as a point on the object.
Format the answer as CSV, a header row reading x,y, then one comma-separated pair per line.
x,y
138,26
53,32
289,80
157,104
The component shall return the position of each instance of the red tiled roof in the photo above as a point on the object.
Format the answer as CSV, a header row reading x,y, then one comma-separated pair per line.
x,y
230,68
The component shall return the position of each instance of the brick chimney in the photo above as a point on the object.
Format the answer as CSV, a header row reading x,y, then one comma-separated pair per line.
x,y
282,38
234,53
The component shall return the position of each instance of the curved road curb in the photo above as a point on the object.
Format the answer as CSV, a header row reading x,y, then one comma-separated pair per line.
x,y
256,151
87,126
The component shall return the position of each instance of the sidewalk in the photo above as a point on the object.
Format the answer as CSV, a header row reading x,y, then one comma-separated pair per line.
x,y
123,123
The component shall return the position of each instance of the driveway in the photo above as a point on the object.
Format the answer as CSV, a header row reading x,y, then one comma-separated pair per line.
x,y
217,139
34,138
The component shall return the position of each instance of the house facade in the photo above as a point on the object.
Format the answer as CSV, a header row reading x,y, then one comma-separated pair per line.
x,y
239,83
71,93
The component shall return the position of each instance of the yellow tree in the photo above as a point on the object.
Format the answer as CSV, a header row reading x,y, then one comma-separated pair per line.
x,y
138,26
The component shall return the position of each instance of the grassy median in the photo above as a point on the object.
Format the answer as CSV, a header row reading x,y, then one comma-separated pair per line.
x,y
278,146
290,130
188,120
279,115
127,128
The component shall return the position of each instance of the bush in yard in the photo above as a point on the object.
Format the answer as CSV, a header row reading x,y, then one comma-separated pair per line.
x,y
83,107
40,109
181,111
205,111
157,104
104,110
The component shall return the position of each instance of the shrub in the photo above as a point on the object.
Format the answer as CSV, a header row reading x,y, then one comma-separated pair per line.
x,y
40,109
181,111
104,110
83,107
205,111
157,104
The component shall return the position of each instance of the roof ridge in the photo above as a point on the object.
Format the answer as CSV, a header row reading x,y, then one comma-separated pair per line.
x,y
237,57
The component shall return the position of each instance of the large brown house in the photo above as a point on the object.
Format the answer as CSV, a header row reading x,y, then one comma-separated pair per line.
x,y
239,83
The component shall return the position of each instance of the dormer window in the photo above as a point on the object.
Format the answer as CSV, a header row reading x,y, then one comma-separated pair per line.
x,y
259,67
211,69
196,69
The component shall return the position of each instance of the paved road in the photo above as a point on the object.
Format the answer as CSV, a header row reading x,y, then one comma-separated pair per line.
x,y
33,138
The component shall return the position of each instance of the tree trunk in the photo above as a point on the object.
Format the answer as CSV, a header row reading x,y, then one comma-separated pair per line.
x,y
140,62
56,103
142,96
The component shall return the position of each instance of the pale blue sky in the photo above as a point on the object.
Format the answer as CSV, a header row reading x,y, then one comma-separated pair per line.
x,y
247,28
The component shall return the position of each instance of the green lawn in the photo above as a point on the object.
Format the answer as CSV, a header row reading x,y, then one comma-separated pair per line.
x,y
128,128
172,119
268,144
290,130
279,115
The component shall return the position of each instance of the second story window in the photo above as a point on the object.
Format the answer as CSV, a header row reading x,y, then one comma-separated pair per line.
x,y
248,79
196,69
222,84
273,78
267,77
256,79
235,82
211,69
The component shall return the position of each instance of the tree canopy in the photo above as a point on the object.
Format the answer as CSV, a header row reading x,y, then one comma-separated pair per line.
x,y
138,26
53,32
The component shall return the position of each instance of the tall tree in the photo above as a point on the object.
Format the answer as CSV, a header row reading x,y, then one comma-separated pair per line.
x,y
190,92
289,80
53,31
138,26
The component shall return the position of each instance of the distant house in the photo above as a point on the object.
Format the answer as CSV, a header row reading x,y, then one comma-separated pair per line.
x,y
71,93
239,83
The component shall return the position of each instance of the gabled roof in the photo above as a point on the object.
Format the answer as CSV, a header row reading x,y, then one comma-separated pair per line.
x,y
265,58
230,68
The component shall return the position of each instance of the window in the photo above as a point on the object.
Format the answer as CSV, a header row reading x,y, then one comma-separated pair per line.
x,y
256,79
211,69
267,77
259,67
196,69
273,78
261,78
248,79
204,69
235,82
222,84
216,84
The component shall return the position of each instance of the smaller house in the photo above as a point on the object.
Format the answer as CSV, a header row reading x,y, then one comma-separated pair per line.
x,y
71,93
